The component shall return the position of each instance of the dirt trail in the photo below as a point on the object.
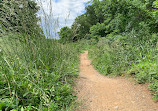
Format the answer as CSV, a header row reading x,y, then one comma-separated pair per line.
x,y
100,93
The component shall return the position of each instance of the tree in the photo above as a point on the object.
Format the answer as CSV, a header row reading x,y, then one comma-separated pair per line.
x,y
98,31
104,17
65,35
82,23
18,16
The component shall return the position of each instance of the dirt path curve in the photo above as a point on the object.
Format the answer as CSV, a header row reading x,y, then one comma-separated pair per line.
x,y
100,93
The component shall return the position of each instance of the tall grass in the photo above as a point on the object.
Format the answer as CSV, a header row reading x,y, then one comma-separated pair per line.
x,y
36,73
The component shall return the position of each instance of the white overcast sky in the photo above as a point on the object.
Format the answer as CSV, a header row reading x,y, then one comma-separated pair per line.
x,y
65,10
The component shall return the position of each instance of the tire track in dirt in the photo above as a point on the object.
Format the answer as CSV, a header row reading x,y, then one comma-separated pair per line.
x,y
100,93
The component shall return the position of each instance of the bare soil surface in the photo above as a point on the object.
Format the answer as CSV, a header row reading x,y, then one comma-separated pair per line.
x,y
100,93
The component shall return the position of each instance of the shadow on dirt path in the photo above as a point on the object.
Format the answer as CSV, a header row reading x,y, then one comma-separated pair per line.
x,y
100,93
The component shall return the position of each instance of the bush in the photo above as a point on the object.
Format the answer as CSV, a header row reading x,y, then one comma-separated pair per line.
x,y
108,57
145,72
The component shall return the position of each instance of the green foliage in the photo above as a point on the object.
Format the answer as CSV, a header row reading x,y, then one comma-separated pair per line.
x,y
145,71
81,26
108,57
65,35
98,31
115,16
18,16
154,89
83,45
37,75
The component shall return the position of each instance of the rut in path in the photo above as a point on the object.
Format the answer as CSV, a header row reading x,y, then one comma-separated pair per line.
x,y
100,93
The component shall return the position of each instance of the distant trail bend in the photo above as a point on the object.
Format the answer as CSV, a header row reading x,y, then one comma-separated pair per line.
x,y
100,93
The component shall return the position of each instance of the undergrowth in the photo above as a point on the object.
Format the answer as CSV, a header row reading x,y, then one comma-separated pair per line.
x,y
36,73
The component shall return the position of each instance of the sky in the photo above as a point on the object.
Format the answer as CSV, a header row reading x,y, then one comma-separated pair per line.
x,y
63,11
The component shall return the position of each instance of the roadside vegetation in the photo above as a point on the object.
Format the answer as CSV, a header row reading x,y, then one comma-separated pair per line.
x,y
122,38
36,73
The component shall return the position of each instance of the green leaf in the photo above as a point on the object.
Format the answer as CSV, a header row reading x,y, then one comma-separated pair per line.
x,y
2,105
22,109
